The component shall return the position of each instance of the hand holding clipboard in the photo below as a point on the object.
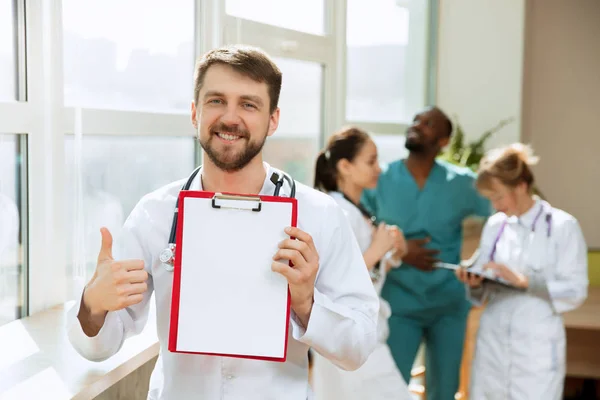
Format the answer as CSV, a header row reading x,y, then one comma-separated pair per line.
x,y
492,271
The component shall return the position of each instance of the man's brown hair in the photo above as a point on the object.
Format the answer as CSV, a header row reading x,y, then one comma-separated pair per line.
x,y
248,61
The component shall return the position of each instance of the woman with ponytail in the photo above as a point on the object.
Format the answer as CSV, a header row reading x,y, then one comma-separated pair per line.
x,y
346,167
540,253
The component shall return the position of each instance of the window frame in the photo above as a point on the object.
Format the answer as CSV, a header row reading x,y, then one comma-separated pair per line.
x,y
43,120
423,49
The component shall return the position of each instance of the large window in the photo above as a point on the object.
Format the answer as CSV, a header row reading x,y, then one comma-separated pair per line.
x,y
387,65
377,39
95,98
305,16
8,50
129,54
106,177
12,265
390,147
294,146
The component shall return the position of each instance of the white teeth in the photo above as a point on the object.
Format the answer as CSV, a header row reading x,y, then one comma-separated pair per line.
x,y
227,137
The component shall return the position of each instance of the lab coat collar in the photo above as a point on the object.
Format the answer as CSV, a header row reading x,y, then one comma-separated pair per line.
x,y
527,219
268,186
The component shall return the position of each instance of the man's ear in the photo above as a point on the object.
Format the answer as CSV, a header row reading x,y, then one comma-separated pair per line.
x,y
194,116
273,122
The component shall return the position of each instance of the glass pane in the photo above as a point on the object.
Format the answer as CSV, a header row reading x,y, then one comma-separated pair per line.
x,y
8,51
12,284
294,146
305,16
105,180
377,38
129,54
390,147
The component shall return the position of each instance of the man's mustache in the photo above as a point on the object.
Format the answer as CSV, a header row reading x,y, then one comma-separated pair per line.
x,y
234,129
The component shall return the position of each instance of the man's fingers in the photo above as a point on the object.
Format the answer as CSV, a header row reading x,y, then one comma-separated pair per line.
x,y
425,266
430,260
297,245
291,274
132,265
302,236
137,276
293,255
132,299
431,252
106,246
136,288
421,241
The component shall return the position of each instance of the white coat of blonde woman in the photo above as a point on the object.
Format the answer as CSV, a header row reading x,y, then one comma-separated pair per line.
x,y
540,250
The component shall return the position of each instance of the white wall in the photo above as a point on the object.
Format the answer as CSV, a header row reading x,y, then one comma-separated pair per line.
x,y
480,64
561,103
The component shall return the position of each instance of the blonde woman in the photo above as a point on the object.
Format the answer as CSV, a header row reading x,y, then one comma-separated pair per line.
x,y
540,251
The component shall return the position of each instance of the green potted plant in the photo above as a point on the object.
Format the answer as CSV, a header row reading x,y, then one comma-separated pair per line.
x,y
469,154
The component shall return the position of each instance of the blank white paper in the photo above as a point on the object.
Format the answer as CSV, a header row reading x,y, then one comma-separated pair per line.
x,y
230,300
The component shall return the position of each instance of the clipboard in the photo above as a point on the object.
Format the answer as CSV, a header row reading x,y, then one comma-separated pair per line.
x,y
486,275
226,300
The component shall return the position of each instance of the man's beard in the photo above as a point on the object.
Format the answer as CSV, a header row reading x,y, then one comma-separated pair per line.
x,y
227,160
415,147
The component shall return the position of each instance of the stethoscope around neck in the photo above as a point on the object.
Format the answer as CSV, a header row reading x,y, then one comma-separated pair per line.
x,y
167,256
535,220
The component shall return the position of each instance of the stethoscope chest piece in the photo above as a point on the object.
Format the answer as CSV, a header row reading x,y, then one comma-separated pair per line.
x,y
167,257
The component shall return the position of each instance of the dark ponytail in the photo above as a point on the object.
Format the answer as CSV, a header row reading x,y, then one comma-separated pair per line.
x,y
344,144
325,174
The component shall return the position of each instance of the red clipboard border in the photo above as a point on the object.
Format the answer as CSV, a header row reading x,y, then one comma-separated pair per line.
x,y
175,296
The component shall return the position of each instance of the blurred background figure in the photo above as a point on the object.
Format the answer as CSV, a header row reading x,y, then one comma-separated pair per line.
x,y
428,199
346,167
541,251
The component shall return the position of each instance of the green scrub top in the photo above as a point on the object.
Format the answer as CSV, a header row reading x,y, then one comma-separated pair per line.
x,y
436,211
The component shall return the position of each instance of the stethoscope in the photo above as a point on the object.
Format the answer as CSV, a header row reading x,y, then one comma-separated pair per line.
x,y
167,256
535,220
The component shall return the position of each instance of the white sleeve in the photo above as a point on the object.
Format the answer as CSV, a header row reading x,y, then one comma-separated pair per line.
x,y
490,230
343,322
567,286
121,324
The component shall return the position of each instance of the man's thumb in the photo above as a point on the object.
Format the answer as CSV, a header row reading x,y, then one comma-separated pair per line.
x,y
106,248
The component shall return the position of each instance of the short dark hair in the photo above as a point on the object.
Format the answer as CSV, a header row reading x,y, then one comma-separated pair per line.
x,y
344,144
447,121
248,61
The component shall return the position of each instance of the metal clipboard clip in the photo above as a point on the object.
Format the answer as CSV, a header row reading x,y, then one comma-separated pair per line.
x,y
232,197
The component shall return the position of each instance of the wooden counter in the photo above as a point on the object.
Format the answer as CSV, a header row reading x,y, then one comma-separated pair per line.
x,y
37,361
583,337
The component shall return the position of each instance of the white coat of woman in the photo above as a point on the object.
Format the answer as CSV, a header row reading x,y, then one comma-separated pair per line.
x,y
540,250
346,167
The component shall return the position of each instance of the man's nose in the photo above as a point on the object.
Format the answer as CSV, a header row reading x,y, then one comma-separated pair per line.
x,y
231,116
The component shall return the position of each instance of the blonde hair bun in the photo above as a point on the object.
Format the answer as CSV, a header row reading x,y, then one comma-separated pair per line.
x,y
511,165
524,152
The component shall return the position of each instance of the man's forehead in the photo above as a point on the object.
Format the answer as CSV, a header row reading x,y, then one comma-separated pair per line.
x,y
223,78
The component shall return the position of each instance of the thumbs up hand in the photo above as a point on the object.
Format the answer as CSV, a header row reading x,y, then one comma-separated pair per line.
x,y
115,284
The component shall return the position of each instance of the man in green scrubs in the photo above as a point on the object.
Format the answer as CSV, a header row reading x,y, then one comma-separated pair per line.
x,y
428,199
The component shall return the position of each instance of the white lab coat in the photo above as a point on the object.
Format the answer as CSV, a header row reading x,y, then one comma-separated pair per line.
x,y
379,378
520,352
342,324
